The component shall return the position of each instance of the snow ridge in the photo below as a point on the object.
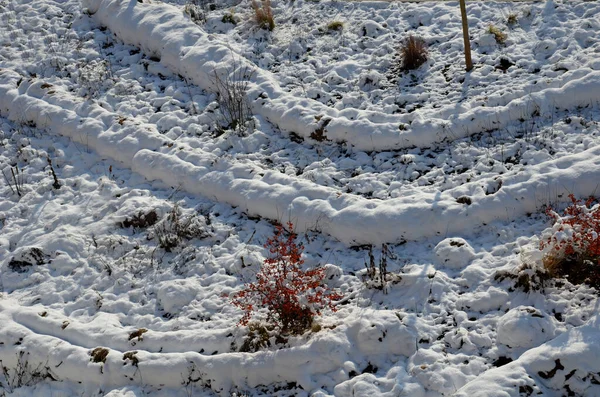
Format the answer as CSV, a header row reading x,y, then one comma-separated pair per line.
x,y
163,31
39,332
277,196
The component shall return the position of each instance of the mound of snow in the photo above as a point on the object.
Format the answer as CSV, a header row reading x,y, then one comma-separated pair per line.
x,y
454,253
483,301
372,29
173,295
566,365
525,326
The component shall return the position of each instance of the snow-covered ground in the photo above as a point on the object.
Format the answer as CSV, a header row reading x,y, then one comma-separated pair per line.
x,y
452,170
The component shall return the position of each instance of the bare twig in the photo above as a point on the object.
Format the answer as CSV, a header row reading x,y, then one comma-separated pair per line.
x,y
56,184
17,181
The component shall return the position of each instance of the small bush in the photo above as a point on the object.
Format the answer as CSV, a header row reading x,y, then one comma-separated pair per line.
x,y
174,228
99,354
526,278
499,35
377,275
335,25
197,10
93,77
196,14
23,374
231,87
511,19
263,14
412,53
572,250
228,18
139,334
290,295
258,338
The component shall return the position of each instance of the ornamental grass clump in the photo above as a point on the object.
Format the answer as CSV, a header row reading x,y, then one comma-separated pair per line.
x,y
291,296
263,14
572,250
412,53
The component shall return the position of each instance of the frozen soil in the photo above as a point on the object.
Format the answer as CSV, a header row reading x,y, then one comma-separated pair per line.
x,y
84,221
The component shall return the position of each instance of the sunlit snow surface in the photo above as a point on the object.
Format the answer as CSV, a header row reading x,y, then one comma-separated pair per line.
x,y
117,95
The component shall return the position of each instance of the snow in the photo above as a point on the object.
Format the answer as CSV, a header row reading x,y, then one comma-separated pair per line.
x,y
525,327
451,170
454,253
569,356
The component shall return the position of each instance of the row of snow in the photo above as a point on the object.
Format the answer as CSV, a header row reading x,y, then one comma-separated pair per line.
x,y
65,346
274,195
164,359
164,32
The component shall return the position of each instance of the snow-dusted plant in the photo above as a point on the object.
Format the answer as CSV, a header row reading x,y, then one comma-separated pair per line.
x,y
499,35
23,374
231,86
197,10
175,228
291,296
93,76
263,14
572,248
412,53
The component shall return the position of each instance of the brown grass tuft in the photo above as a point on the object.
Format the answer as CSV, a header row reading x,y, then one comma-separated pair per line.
x,y
499,35
335,25
413,53
263,14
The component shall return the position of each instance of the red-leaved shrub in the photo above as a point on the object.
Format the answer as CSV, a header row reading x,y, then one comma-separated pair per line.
x,y
573,248
292,296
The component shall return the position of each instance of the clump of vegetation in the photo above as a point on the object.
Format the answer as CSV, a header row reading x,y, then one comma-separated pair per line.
x,y
499,35
413,53
377,275
335,25
526,278
231,88
98,355
572,250
319,134
139,334
23,374
512,19
197,10
93,77
140,220
263,14
228,18
175,228
259,337
131,356
26,260
195,13
291,296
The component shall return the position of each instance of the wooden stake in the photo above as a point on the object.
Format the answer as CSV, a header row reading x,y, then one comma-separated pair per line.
x,y
465,25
